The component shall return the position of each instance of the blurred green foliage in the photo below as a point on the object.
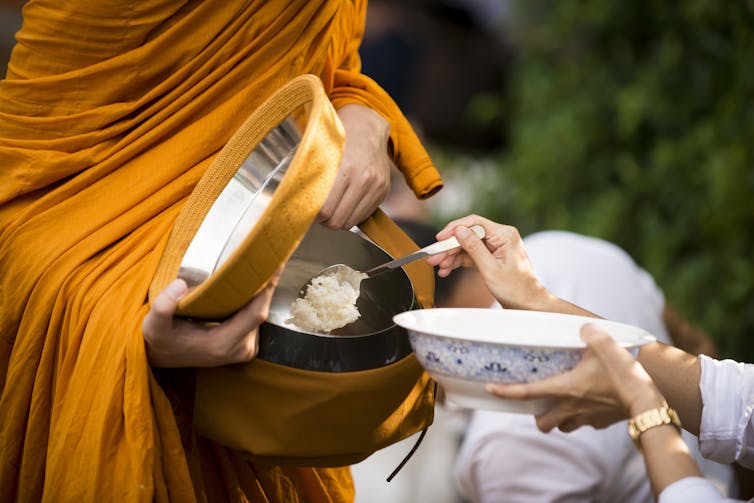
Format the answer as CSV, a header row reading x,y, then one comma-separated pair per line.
x,y
634,122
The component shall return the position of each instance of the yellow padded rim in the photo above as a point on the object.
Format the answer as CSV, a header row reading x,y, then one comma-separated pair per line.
x,y
282,225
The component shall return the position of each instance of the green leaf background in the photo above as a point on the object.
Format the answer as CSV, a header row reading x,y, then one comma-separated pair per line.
x,y
634,122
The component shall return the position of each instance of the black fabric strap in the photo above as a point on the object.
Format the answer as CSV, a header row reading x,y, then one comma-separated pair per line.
x,y
408,456
413,449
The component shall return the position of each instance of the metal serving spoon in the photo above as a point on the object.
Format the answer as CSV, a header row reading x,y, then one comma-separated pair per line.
x,y
347,273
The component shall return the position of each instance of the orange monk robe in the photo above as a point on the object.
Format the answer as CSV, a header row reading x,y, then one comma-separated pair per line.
x,y
110,113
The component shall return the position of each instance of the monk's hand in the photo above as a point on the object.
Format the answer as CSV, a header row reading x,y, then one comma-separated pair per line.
x,y
500,258
608,385
363,178
172,341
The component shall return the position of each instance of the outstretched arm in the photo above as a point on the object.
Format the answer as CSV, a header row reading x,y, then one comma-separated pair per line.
x,y
609,385
503,264
505,268
676,374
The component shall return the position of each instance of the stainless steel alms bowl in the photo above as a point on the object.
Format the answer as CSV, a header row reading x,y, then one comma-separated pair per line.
x,y
274,173
242,201
372,341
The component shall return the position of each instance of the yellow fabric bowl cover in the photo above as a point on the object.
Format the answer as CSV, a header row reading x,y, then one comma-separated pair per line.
x,y
290,212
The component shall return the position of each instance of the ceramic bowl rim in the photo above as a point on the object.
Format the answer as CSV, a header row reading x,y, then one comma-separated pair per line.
x,y
406,319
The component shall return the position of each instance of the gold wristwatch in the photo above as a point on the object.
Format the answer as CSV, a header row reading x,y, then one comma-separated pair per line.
x,y
651,418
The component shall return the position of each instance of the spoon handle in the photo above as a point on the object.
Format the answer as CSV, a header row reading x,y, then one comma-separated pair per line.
x,y
433,249
450,243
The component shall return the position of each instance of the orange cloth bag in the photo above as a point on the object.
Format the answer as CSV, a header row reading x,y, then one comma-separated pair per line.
x,y
277,414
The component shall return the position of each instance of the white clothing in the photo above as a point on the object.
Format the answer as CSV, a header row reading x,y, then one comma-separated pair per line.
x,y
691,490
505,458
727,426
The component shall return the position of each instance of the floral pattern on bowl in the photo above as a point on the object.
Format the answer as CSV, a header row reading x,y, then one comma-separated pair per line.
x,y
481,361
465,348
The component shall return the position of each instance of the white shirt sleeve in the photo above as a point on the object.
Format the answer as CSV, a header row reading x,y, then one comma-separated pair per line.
x,y
727,426
691,490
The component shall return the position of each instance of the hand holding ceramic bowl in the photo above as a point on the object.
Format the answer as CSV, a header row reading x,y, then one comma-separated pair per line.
x,y
464,349
505,346
608,385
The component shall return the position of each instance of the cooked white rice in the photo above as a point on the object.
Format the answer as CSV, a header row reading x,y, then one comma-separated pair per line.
x,y
330,302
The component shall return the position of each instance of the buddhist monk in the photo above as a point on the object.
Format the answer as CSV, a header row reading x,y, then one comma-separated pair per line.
x,y
110,113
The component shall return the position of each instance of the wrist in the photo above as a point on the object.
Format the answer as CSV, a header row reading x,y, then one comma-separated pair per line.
x,y
534,297
646,400
651,423
543,300
361,116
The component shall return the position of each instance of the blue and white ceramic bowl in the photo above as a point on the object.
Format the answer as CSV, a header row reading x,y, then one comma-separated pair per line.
x,y
463,349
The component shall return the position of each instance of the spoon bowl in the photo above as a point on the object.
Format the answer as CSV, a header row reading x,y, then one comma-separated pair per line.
x,y
347,273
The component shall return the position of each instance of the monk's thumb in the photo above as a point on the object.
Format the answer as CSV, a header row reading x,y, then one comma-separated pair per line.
x,y
166,303
159,319
474,246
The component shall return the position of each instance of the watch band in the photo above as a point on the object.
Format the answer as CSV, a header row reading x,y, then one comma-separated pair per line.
x,y
651,418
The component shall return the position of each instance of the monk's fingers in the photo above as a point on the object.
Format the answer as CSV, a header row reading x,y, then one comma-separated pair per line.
x,y
345,213
235,340
333,201
360,196
363,206
159,319
363,178
352,203
255,312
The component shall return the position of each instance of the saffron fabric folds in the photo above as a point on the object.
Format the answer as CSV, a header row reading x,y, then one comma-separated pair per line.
x,y
109,115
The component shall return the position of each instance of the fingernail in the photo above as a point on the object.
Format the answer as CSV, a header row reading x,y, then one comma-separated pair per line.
x,y
177,288
463,232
